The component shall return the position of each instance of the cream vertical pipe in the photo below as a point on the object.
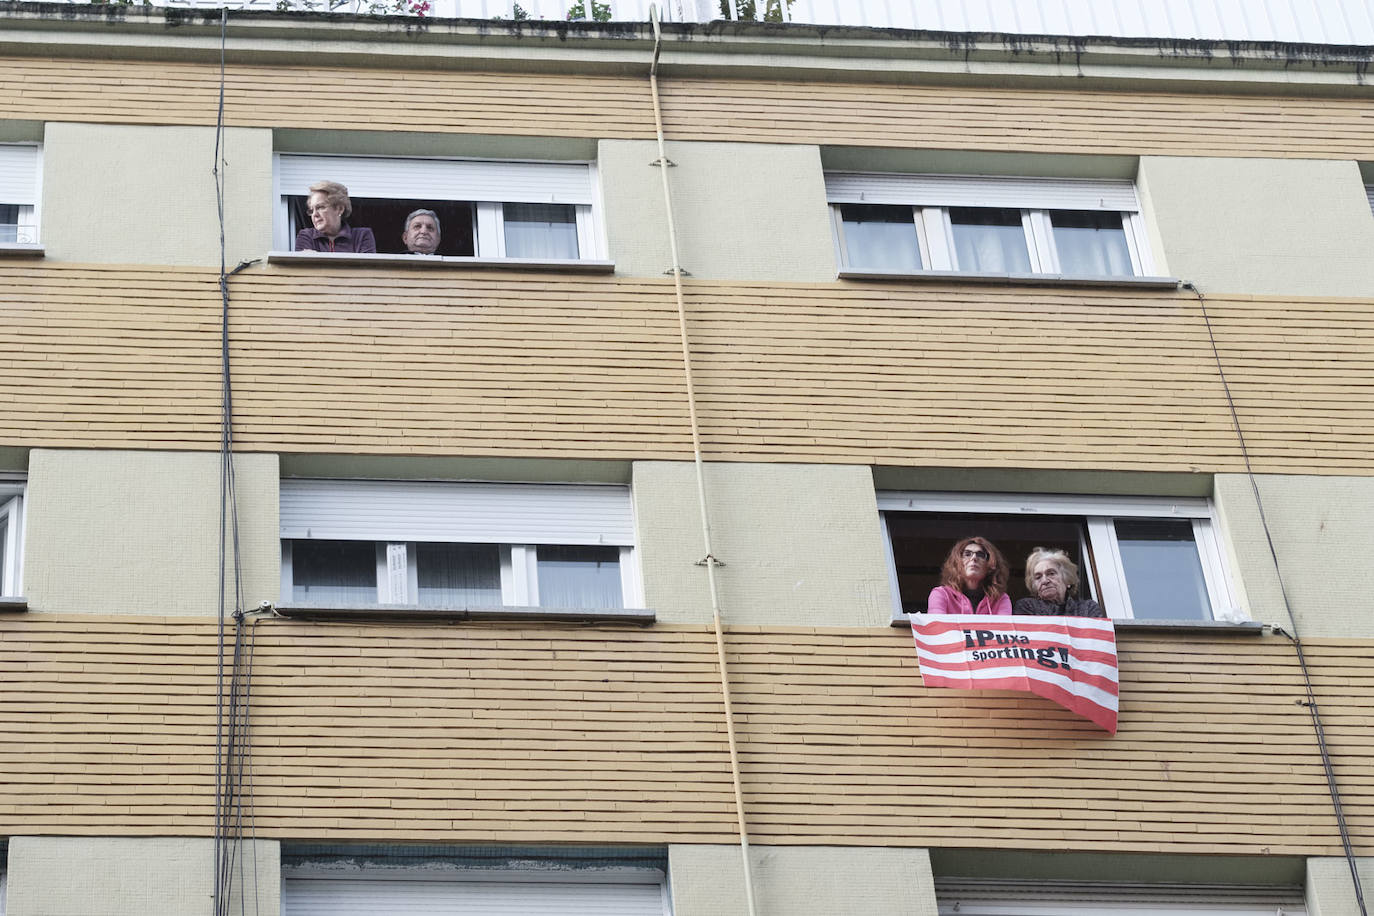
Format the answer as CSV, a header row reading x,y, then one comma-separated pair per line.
x,y
710,560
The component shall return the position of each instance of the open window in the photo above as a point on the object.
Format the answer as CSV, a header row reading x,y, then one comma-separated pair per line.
x,y
20,179
1145,558
889,223
457,545
542,211
11,538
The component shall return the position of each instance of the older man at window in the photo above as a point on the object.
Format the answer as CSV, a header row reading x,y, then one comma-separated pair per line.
x,y
421,235
1052,579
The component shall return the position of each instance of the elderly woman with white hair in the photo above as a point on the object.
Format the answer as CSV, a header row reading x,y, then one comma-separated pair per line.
x,y
1052,579
329,208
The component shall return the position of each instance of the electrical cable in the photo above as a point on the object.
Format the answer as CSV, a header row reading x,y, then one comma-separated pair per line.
x,y
709,561
231,711
1311,701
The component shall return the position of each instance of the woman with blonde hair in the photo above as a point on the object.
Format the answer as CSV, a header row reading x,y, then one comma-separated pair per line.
x,y
329,209
972,581
1052,580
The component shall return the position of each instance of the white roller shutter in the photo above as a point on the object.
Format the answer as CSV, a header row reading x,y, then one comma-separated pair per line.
x,y
420,895
467,513
980,191
19,174
439,179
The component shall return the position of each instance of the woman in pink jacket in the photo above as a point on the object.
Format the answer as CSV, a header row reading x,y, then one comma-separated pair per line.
x,y
972,581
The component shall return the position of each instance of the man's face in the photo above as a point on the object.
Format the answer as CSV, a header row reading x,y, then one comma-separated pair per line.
x,y
421,235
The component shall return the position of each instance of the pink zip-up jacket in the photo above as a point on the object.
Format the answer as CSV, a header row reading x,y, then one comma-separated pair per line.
x,y
946,600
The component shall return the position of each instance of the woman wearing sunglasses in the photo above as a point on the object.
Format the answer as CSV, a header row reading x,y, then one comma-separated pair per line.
x,y
972,581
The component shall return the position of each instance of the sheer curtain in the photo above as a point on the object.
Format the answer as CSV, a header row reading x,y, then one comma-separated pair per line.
x,y
880,238
1091,243
582,577
545,231
989,240
459,575
333,572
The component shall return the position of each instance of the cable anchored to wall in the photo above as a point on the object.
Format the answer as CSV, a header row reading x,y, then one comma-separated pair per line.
x,y
1311,702
709,561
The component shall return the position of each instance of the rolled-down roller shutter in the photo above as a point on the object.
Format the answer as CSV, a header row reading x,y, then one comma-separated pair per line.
x,y
462,513
980,191
417,894
404,178
19,174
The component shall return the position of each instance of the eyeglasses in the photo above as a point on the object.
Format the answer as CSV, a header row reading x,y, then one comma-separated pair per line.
x,y
980,554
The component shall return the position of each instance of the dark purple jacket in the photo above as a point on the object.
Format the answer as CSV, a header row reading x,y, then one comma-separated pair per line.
x,y
350,240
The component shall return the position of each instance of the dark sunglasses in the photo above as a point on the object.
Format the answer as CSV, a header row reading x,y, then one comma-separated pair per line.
x,y
980,553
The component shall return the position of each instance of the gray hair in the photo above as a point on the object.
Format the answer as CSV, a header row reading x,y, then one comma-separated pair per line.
x,y
334,193
1068,570
430,213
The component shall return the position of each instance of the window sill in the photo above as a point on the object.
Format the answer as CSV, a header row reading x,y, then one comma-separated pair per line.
x,y
566,265
1014,279
14,605
452,614
20,250
1236,628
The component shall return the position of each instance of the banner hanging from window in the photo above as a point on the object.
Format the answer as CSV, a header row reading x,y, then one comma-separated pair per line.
x,y
1070,660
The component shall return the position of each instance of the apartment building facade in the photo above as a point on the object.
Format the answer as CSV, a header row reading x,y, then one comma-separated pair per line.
x,y
497,515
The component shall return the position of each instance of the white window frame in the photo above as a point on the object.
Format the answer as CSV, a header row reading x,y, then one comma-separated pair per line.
x,y
12,523
21,182
1098,514
397,573
487,184
931,197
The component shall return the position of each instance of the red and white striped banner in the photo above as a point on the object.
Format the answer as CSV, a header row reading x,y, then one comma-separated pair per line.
x,y
1070,660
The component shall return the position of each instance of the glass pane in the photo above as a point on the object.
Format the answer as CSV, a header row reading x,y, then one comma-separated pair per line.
x,y
1091,243
9,223
880,238
1163,570
459,575
585,577
541,231
333,572
989,239
922,540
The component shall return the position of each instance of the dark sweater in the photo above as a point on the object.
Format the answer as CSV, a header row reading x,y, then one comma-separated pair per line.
x,y
1072,607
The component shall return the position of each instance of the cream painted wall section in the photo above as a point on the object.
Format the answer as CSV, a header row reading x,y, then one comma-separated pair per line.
x,y
134,532
1261,226
145,195
1323,538
127,876
1330,890
802,881
744,211
801,544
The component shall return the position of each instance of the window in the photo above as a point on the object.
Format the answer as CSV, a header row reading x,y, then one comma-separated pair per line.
x,y
1154,559
20,166
399,880
895,223
1369,195
1098,898
489,209
457,545
11,538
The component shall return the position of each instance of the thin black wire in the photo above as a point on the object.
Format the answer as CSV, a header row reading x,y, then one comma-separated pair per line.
x,y
1311,702
231,737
